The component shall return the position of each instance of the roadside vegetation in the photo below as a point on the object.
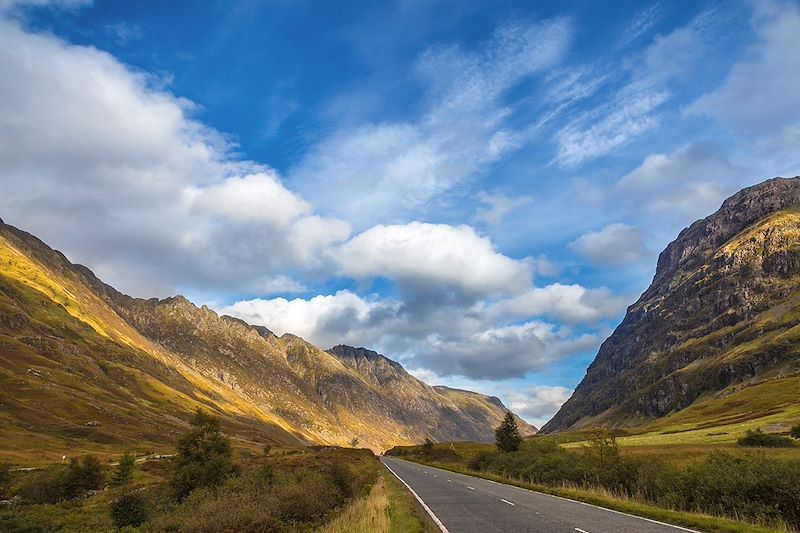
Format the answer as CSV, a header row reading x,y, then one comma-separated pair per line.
x,y
749,486
207,487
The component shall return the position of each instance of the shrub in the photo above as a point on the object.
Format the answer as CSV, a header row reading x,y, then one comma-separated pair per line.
x,y
5,479
203,457
46,486
83,475
507,435
59,483
795,431
758,438
428,444
128,510
123,472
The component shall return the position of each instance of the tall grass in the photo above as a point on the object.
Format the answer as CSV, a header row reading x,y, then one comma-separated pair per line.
x,y
366,515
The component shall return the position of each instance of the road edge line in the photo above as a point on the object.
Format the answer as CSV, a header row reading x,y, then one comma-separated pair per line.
x,y
569,500
424,505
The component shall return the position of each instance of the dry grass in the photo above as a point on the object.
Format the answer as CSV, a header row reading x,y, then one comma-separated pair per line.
x,y
369,514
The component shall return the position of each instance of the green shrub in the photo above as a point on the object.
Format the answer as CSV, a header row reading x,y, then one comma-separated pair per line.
x,y
795,431
203,457
123,472
128,510
46,486
59,483
758,438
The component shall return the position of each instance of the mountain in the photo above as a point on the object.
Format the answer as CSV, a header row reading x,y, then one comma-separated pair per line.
x,y
718,326
85,367
451,413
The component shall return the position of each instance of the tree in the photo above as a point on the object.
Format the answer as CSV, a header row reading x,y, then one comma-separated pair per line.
x,y
83,475
203,457
507,437
428,444
5,479
123,473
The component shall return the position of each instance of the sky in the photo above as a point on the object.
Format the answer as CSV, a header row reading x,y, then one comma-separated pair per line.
x,y
477,189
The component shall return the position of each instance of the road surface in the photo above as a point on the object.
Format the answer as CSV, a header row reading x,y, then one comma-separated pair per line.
x,y
466,504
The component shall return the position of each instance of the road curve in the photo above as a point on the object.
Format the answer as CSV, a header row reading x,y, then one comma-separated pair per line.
x,y
466,504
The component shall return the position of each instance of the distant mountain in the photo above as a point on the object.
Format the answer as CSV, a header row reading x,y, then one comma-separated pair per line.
x,y
449,414
720,321
83,366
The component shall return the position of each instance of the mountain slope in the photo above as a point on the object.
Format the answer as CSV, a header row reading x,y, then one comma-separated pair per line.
x,y
449,414
722,314
73,351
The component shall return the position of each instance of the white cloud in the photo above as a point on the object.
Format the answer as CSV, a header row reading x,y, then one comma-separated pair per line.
x,y
429,256
391,169
615,244
498,206
538,404
260,197
100,161
343,317
644,87
762,92
691,182
501,352
568,303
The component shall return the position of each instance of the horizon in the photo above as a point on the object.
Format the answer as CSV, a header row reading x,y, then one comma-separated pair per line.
x,y
477,193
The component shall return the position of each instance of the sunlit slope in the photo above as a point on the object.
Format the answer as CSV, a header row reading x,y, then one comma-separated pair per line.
x,y
86,353
722,316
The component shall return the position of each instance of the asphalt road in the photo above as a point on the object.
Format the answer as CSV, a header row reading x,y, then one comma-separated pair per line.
x,y
465,504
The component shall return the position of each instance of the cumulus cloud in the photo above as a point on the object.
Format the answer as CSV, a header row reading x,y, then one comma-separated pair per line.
x,y
100,160
426,257
538,404
471,340
260,197
568,303
503,352
615,244
390,169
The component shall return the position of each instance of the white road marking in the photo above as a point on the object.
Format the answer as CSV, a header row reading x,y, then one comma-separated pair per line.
x,y
471,488
449,480
422,503
506,501
581,530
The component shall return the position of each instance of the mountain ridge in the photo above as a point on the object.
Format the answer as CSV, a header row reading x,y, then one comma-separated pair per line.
x,y
721,314
276,388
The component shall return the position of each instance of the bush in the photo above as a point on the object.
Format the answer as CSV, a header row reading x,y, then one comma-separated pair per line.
x,y
203,457
59,483
123,472
128,510
795,431
758,438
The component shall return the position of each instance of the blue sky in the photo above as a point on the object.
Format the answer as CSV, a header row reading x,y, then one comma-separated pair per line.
x,y
477,189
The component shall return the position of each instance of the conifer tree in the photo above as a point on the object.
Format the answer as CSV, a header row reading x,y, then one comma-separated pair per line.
x,y
507,437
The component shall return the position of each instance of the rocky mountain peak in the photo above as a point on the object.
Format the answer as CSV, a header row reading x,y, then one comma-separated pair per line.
x,y
723,292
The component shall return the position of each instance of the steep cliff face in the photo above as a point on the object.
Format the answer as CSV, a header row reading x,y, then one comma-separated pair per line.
x,y
722,312
448,414
88,353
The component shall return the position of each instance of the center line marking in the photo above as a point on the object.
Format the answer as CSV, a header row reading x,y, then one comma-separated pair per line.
x,y
449,480
471,488
509,503
580,530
